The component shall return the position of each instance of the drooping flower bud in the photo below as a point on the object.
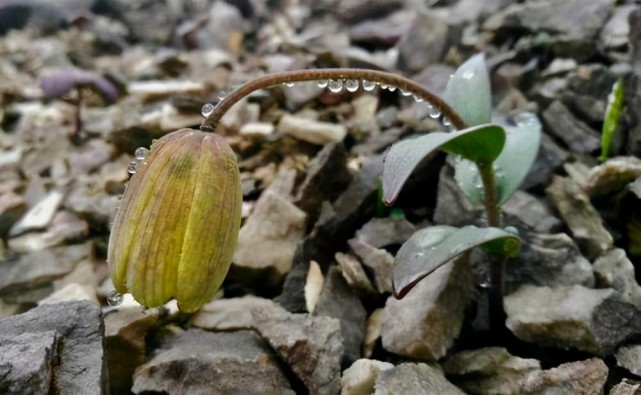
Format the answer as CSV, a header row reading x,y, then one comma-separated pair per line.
x,y
176,230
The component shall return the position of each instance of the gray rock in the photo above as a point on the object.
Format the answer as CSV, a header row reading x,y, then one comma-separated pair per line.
x,y
267,241
626,387
469,11
311,346
310,130
633,94
582,377
27,272
327,175
378,260
549,260
199,362
80,366
125,332
337,300
629,357
27,361
530,212
575,22
352,11
587,91
578,136
232,313
613,175
550,157
424,43
452,206
615,32
414,378
384,232
591,320
353,272
490,370
337,221
425,323
386,31
359,378
577,212
614,270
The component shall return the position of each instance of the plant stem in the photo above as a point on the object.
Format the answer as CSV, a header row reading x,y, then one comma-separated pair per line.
x,y
381,77
497,263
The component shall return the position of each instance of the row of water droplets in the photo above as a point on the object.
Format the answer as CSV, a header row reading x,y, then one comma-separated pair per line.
x,y
139,157
352,85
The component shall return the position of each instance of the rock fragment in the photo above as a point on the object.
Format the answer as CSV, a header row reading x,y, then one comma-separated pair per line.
x,y
311,346
591,320
629,357
425,323
359,378
267,241
581,217
80,367
414,378
200,362
578,136
489,370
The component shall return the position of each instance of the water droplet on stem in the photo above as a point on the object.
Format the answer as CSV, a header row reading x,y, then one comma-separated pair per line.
x,y
351,85
335,86
207,109
368,86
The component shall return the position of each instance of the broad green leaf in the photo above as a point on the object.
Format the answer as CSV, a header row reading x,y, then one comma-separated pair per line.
x,y
480,144
430,248
468,91
511,167
612,117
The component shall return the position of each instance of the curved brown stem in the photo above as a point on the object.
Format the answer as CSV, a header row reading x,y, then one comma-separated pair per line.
x,y
381,77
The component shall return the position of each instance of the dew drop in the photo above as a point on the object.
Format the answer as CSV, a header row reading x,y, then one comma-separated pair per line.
x,y
351,85
418,254
368,86
391,88
433,249
115,299
433,112
323,84
335,86
288,84
384,86
132,167
221,95
525,119
405,93
418,99
140,153
446,122
207,109
468,74
511,229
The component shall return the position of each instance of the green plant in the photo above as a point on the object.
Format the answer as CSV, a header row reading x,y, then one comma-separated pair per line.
x,y
613,114
491,161
486,146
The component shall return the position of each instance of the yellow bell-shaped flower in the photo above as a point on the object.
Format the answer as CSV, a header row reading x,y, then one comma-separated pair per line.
x,y
176,229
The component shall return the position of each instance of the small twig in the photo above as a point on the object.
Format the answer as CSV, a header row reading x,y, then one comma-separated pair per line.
x,y
381,77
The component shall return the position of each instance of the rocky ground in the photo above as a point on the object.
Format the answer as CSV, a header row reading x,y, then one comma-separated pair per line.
x,y
307,305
